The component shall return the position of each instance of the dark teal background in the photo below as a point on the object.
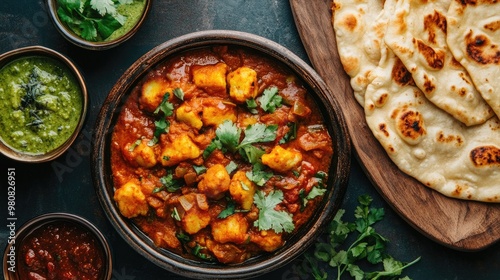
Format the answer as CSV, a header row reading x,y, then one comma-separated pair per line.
x,y
65,184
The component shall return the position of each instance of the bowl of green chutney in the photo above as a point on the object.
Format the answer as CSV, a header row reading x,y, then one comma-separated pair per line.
x,y
44,99
98,25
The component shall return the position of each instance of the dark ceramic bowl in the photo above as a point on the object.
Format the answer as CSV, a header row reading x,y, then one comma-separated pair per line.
x,y
299,242
69,35
73,70
13,259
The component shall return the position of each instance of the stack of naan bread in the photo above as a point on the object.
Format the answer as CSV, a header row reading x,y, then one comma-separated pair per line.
x,y
427,73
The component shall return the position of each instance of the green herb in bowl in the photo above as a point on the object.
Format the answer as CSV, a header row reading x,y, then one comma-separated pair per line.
x,y
100,20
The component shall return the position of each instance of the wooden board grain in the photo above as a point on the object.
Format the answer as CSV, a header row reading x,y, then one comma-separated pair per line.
x,y
458,224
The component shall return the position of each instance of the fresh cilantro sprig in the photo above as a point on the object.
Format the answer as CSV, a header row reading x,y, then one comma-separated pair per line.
x,y
162,125
228,134
169,183
368,246
93,20
269,101
269,217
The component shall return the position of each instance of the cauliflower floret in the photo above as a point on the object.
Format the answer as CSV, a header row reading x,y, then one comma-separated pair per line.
x,y
212,78
267,240
242,190
242,84
215,181
131,201
215,111
231,229
194,219
152,93
281,159
180,149
188,114
140,154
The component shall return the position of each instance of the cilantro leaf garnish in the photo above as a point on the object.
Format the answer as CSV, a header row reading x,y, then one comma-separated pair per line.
x,y
269,217
162,125
230,210
270,99
93,20
369,247
228,134
169,184
258,175
258,133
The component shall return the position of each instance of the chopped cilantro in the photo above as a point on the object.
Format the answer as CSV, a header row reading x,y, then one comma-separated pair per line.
x,y
228,134
179,93
270,99
258,175
199,169
162,125
230,210
269,217
232,166
252,106
93,20
169,184
291,134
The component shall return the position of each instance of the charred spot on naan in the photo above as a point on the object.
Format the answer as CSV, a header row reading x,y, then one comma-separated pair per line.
x,y
401,75
485,156
433,23
449,139
410,126
481,49
434,59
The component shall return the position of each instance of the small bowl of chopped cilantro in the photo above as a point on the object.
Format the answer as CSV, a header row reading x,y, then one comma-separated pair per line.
x,y
98,24
43,97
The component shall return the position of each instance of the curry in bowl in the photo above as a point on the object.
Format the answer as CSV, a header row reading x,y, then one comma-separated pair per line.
x,y
220,154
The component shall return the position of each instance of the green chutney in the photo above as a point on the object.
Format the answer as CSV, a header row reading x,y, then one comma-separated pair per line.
x,y
132,13
41,103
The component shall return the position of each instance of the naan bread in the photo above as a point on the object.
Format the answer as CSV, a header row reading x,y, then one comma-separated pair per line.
x,y
417,35
359,51
474,39
427,143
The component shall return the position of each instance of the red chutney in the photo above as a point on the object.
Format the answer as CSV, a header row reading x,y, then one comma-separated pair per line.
x,y
61,250
214,210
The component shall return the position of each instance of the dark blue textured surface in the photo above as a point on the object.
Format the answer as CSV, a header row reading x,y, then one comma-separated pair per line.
x,y
65,184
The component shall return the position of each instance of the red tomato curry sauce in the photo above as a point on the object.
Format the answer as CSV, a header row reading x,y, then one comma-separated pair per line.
x,y
219,154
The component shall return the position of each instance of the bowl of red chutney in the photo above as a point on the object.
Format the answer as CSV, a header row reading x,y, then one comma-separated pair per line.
x,y
57,246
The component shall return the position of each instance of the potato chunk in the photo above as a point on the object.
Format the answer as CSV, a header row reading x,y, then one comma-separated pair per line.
x,y
216,112
281,159
189,115
152,93
231,229
131,201
267,240
242,84
242,190
140,154
180,149
212,78
194,219
215,181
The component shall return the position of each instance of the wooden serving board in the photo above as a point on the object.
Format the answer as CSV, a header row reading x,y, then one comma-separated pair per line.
x,y
458,224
